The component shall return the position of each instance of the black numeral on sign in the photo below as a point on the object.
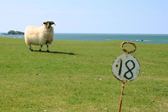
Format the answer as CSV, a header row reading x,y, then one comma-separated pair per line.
x,y
129,69
120,67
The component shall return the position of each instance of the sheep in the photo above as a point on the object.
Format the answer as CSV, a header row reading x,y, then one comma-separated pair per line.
x,y
43,35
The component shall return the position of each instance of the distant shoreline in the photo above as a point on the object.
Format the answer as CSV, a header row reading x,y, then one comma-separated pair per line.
x,y
12,32
147,38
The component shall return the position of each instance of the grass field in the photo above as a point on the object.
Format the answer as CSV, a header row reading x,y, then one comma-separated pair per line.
x,y
77,76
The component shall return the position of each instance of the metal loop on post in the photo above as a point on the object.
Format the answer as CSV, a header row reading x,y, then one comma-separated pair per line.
x,y
127,42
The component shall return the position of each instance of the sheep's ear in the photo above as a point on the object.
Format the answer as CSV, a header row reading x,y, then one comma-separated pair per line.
x,y
52,22
44,22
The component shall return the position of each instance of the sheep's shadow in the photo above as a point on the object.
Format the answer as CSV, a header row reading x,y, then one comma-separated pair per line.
x,y
56,52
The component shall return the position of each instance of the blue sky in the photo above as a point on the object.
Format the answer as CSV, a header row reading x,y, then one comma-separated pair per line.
x,y
87,16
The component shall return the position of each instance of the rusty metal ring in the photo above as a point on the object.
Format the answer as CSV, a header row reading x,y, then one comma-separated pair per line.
x,y
127,42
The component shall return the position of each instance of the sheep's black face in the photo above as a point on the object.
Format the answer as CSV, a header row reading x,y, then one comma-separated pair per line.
x,y
48,24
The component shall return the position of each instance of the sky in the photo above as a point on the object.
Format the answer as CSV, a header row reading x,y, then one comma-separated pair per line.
x,y
87,16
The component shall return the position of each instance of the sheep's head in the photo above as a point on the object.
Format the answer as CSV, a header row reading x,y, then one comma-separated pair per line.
x,y
48,23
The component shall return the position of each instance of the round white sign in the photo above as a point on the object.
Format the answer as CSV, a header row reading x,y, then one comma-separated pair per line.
x,y
125,68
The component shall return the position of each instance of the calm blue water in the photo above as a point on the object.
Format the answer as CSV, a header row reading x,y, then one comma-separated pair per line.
x,y
141,38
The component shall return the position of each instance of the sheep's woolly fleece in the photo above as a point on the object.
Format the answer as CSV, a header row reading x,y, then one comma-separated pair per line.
x,y
38,35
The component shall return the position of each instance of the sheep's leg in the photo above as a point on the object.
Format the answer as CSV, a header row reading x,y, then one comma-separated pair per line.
x,y
47,48
40,47
30,48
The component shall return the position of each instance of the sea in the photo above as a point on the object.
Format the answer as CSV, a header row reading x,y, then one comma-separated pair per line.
x,y
140,38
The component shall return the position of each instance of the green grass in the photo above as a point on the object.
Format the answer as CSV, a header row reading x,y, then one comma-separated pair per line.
x,y
77,76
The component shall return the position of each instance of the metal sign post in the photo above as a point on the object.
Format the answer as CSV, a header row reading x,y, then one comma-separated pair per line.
x,y
125,68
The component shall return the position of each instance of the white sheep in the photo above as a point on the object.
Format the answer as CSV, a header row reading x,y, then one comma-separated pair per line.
x,y
43,35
